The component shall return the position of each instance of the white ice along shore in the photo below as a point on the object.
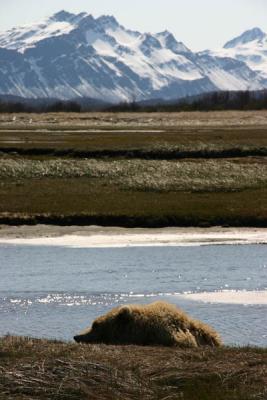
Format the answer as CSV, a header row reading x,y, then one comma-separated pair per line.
x,y
242,297
127,238
76,55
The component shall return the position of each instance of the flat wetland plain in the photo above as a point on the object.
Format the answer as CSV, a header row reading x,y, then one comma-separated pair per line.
x,y
134,170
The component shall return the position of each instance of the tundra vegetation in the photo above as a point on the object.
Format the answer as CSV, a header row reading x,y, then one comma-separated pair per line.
x,y
146,169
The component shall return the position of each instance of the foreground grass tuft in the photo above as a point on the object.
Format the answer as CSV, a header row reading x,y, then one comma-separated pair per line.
x,y
41,369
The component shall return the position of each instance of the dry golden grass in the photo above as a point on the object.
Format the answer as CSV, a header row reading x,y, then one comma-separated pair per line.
x,y
191,119
33,369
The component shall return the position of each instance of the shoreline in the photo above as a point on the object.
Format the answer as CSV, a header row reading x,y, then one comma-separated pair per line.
x,y
96,236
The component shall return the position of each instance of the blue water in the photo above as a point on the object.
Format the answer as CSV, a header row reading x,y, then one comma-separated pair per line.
x,y
54,292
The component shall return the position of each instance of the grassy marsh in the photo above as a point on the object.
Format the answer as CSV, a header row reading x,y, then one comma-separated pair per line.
x,y
145,175
194,169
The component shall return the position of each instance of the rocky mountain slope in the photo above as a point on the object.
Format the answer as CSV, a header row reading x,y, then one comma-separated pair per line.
x,y
68,56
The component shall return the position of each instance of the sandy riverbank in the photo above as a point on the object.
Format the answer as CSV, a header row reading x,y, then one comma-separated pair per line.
x,y
93,236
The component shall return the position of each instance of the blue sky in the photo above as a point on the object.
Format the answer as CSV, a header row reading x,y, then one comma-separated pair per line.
x,y
199,24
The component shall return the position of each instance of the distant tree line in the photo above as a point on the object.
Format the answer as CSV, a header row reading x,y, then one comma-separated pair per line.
x,y
10,106
216,101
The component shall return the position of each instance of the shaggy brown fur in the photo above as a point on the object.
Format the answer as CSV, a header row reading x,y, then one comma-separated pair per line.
x,y
159,323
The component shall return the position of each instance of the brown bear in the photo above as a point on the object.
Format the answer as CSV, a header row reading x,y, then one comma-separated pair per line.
x,y
154,324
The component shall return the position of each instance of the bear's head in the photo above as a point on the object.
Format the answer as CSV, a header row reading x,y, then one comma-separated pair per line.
x,y
109,328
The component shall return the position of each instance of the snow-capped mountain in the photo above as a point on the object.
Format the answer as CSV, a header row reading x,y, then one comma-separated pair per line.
x,y
69,55
250,47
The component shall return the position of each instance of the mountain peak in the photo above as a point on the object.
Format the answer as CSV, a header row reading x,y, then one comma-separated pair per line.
x,y
246,37
149,40
62,16
107,21
165,33
87,22
167,37
168,40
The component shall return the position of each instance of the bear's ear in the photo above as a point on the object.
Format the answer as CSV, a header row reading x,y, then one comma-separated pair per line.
x,y
124,314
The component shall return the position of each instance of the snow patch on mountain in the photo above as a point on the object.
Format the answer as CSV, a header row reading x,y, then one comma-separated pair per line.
x,y
27,36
